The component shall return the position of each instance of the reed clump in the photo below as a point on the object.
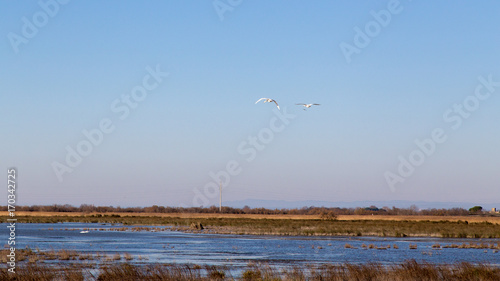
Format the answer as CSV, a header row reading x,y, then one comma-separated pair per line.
x,y
128,257
408,270
473,245
128,272
67,255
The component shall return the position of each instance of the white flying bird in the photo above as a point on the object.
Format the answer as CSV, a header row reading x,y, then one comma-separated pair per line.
x,y
268,100
307,105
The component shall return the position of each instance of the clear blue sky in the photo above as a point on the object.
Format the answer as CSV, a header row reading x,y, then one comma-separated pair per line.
x,y
64,68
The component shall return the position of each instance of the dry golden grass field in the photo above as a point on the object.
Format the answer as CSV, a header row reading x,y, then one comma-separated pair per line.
x,y
495,220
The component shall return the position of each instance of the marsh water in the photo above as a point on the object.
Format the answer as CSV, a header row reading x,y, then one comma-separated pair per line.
x,y
238,250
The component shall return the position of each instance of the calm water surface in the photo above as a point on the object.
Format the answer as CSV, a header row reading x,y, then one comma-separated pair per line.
x,y
239,250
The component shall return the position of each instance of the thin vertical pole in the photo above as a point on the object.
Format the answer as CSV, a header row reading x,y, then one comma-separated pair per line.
x,y
220,196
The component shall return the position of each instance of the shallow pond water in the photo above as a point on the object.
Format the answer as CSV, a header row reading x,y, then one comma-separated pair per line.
x,y
238,250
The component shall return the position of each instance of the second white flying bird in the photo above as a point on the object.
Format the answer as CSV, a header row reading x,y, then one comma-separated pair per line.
x,y
307,105
268,100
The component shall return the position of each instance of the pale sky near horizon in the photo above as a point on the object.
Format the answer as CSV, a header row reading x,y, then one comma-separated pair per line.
x,y
388,74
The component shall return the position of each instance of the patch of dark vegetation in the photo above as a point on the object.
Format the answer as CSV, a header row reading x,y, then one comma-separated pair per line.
x,y
408,270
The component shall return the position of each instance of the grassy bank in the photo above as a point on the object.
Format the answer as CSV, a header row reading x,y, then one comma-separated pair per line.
x,y
409,270
451,228
469,218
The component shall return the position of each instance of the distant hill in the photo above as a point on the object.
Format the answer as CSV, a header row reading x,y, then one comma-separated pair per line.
x,y
282,204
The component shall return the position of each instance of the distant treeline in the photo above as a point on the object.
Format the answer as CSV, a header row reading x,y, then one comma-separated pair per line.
x,y
327,212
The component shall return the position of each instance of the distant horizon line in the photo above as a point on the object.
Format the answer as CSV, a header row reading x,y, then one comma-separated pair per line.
x,y
287,204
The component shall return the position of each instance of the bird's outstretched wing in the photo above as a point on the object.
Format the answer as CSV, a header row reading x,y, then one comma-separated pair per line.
x,y
300,104
276,104
316,104
260,100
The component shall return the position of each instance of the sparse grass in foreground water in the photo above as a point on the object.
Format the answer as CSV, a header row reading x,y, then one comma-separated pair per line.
x,y
409,270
